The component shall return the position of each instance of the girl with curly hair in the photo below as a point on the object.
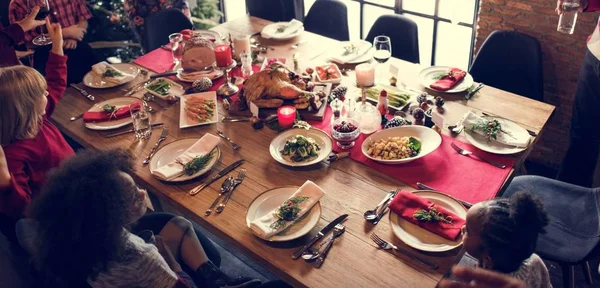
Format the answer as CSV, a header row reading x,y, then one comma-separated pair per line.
x,y
502,235
78,232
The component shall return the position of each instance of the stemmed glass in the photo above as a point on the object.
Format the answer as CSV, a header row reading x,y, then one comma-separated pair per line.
x,y
383,50
42,39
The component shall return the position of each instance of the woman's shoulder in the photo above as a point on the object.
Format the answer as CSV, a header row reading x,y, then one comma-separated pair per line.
x,y
533,271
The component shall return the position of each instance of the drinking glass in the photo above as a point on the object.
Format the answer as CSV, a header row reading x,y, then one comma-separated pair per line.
x,y
42,39
141,120
383,51
177,46
568,17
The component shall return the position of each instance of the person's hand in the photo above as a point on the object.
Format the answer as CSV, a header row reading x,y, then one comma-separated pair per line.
x,y
55,32
4,173
21,54
559,7
29,21
74,32
70,44
478,277
166,254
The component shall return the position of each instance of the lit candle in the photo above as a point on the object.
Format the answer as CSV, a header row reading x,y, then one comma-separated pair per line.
x,y
286,115
241,44
223,55
365,75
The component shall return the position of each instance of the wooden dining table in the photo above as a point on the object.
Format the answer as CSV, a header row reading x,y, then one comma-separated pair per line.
x,y
351,188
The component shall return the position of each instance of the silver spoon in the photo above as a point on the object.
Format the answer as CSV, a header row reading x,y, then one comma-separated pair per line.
x,y
371,215
313,253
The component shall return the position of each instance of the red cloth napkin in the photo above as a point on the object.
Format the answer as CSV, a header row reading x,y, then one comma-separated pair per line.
x,y
405,204
159,60
462,177
446,83
101,116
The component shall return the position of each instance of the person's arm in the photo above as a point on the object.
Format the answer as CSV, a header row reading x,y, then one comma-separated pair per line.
x,y
591,5
56,68
15,193
18,11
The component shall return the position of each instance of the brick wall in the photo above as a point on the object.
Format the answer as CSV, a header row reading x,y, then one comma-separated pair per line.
x,y
562,56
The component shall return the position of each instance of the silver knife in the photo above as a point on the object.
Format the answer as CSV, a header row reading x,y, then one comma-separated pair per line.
x,y
130,131
319,235
235,119
163,136
83,92
165,74
137,87
425,187
222,173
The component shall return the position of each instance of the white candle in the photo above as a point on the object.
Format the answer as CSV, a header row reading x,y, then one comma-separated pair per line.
x,y
241,43
365,75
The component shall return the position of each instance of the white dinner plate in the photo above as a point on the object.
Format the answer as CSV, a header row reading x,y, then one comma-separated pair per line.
x,y
94,80
496,147
169,152
430,141
212,75
271,29
185,122
269,201
321,138
427,75
367,56
114,124
175,90
421,239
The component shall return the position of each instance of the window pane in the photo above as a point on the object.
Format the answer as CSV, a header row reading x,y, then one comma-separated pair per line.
x,y
307,5
457,10
425,38
371,13
421,6
389,3
453,45
353,19
234,10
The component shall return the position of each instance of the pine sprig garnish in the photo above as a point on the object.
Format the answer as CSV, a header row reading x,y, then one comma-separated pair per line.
x,y
439,76
288,211
490,128
110,109
197,164
431,215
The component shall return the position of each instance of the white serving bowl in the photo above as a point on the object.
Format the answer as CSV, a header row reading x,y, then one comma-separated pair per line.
x,y
430,140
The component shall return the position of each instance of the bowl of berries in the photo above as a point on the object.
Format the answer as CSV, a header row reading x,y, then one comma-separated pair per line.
x,y
345,132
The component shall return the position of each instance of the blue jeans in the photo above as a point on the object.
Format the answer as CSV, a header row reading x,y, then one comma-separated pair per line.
x,y
584,141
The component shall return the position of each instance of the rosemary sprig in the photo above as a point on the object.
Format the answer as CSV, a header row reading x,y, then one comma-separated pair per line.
x,y
431,215
490,128
110,109
439,76
112,73
288,211
350,49
197,164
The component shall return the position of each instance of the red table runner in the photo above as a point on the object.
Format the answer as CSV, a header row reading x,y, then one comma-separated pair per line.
x,y
465,178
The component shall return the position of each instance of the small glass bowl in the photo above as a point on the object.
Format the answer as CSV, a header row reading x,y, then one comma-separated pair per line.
x,y
345,140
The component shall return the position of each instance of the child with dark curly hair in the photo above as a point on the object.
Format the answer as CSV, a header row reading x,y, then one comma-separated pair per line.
x,y
78,232
502,235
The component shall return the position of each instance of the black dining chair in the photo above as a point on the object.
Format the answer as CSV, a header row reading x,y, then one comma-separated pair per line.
x,y
403,33
328,18
276,10
158,26
573,232
511,61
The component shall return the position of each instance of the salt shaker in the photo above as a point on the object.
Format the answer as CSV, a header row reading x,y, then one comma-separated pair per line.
x,y
246,59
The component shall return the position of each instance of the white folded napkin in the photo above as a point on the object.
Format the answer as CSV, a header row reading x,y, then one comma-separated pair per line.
x,y
362,48
100,68
513,139
290,29
203,146
262,225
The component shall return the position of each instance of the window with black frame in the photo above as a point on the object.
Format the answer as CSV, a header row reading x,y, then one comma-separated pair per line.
x,y
446,27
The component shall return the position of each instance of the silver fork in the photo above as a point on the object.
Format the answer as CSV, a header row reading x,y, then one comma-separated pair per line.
x,y
226,187
237,181
389,246
469,153
338,230
233,145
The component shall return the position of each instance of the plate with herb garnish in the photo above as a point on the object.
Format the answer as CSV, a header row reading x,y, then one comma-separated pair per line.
x,y
198,166
432,74
352,52
421,239
495,135
109,107
110,75
278,198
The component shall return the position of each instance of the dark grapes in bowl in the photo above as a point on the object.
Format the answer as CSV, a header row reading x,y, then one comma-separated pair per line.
x,y
344,132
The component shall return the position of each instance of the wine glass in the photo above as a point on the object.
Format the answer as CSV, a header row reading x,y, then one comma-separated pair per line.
x,y
42,39
383,50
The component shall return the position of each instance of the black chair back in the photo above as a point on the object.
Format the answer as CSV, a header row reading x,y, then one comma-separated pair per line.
x,y
4,4
511,61
158,26
328,18
276,10
403,33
